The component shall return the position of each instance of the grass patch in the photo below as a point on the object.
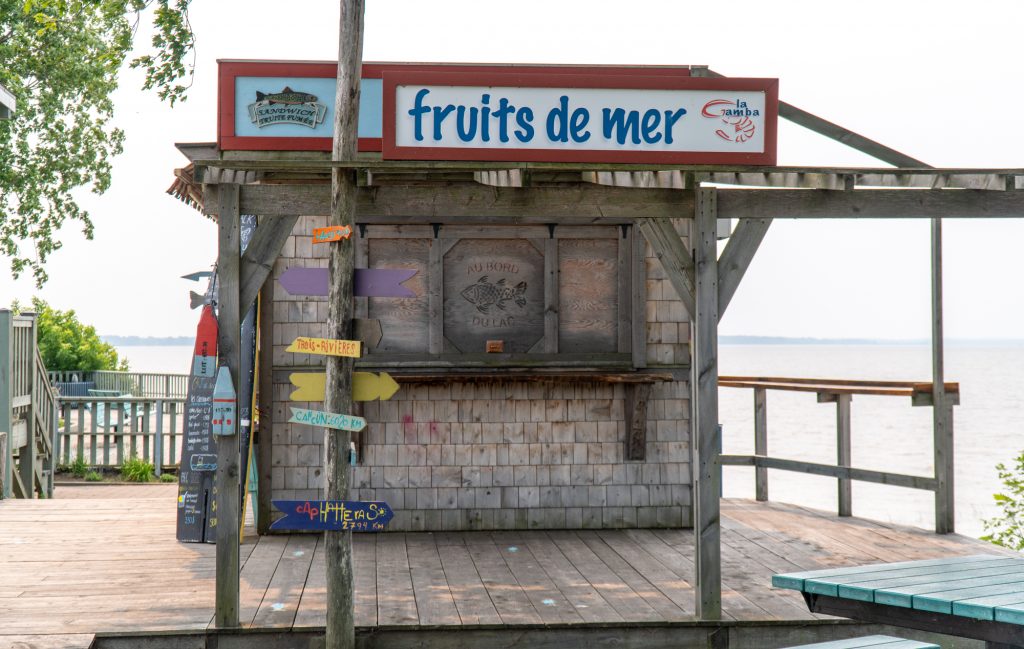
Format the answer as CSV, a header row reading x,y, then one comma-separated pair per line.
x,y
137,470
77,468
94,476
168,477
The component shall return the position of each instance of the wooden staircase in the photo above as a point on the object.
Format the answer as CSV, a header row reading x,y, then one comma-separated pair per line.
x,y
28,411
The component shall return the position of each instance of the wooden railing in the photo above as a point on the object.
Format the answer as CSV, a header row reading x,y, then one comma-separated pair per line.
x,y
137,384
105,431
28,411
841,393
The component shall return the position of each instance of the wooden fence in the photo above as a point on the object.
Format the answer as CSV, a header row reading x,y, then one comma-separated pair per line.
x,y
105,431
28,411
841,393
137,384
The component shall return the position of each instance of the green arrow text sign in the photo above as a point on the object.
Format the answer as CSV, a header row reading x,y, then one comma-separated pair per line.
x,y
327,419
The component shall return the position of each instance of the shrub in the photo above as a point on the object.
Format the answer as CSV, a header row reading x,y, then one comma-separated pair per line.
x,y
168,477
1007,529
137,470
66,344
77,468
94,476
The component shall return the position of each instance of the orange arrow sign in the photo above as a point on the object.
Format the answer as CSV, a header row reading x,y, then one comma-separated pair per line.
x,y
366,386
331,233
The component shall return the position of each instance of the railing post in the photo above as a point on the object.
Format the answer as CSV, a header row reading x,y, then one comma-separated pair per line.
x,y
27,455
843,402
761,442
6,396
158,443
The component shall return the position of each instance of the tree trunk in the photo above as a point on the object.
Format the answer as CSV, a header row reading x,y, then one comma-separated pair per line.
x,y
340,622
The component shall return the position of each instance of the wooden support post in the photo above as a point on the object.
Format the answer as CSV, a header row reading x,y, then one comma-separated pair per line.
x,y
843,402
637,395
158,439
340,631
760,442
27,456
942,412
705,425
7,397
265,407
229,347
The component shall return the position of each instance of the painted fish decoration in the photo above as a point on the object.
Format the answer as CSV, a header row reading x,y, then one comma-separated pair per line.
x,y
484,294
286,96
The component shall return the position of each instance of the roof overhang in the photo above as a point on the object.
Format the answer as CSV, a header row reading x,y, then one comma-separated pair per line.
x,y
7,104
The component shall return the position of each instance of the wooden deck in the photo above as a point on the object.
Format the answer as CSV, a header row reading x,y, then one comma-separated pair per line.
x,y
104,559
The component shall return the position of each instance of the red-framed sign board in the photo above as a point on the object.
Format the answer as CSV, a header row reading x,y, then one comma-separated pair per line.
x,y
505,113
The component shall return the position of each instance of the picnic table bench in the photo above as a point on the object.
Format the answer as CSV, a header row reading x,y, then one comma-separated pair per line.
x,y
979,597
871,642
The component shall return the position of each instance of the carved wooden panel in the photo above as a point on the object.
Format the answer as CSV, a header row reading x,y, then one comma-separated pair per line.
x,y
403,321
588,295
493,290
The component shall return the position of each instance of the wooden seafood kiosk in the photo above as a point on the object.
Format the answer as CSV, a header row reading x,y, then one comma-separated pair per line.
x,y
537,287
541,353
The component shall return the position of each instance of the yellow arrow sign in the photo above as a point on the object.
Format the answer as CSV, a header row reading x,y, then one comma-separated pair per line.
x,y
325,346
366,386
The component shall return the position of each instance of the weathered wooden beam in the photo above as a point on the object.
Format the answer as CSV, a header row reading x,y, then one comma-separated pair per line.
x,y
229,349
942,407
845,473
637,395
760,442
469,200
736,258
674,257
260,255
705,429
869,204
264,448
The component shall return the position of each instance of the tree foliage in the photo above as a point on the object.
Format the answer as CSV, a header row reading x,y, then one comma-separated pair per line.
x,y
61,59
68,345
1008,528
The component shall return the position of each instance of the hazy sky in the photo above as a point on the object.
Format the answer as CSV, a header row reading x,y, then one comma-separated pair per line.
x,y
937,80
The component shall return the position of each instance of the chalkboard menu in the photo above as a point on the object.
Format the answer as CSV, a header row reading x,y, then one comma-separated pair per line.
x,y
198,453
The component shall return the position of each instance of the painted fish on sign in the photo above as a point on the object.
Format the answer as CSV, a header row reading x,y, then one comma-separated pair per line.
x,y
326,347
332,515
331,233
327,419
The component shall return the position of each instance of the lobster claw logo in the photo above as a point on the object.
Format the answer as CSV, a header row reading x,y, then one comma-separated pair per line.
x,y
735,115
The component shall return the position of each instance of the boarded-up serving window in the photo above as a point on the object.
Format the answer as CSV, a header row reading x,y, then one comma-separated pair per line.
x,y
542,294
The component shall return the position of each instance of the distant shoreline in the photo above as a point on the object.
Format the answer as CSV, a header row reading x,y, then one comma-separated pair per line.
x,y
149,341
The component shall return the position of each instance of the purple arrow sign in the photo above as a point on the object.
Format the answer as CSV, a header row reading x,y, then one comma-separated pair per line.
x,y
369,282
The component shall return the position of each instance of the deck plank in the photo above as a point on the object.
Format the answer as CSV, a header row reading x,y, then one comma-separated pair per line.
x,y
468,591
434,602
281,602
396,599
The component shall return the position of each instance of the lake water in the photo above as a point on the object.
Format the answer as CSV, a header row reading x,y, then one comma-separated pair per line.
x,y
888,434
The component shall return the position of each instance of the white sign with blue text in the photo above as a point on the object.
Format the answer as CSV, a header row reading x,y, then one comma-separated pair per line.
x,y
660,125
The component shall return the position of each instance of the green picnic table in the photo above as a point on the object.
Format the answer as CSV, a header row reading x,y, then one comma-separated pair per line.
x,y
979,597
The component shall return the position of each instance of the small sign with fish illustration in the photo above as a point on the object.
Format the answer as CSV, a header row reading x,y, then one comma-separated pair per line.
x,y
484,294
287,107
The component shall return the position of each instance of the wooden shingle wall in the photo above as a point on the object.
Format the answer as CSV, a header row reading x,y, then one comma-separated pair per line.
x,y
505,455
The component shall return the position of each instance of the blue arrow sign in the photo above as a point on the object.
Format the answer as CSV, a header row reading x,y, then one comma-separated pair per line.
x,y
327,515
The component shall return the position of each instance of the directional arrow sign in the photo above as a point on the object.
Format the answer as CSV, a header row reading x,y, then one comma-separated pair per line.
x,y
329,515
195,277
325,347
331,233
327,419
369,282
366,386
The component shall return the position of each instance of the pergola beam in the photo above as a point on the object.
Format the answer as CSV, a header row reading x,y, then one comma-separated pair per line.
x,y
869,204
736,258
